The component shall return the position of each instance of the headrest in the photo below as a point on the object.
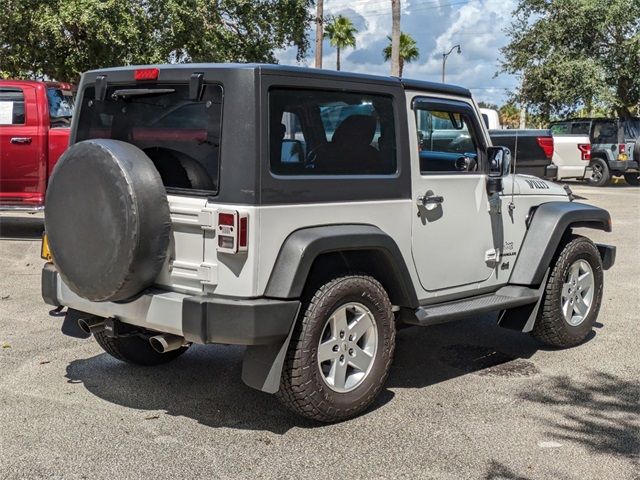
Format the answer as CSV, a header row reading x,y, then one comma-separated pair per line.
x,y
355,130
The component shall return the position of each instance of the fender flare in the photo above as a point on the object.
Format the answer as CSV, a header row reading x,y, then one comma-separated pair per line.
x,y
548,225
302,247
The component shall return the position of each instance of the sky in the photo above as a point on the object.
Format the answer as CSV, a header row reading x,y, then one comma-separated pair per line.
x,y
436,25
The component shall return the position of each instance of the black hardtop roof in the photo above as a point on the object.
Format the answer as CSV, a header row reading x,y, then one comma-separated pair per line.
x,y
274,69
593,119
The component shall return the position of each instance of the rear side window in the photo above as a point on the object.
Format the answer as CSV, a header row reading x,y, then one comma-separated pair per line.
x,y
61,103
605,132
11,106
331,133
560,128
580,128
180,135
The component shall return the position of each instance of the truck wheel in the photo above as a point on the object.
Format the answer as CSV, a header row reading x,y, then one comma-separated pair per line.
x,y
572,296
632,179
341,350
600,173
135,350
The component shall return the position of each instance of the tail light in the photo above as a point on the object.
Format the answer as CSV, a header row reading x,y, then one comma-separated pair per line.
x,y
622,152
233,231
585,151
546,144
146,74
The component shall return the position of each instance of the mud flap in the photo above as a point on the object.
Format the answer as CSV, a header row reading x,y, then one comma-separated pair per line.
x,y
524,318
262,364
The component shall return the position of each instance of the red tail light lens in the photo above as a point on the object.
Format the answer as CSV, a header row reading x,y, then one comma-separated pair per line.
x,y
622,148
585,151
228,219
546,144
146,74
233,231
243,233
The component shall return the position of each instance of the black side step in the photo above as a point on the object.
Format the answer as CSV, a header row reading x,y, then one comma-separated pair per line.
x,y
507,297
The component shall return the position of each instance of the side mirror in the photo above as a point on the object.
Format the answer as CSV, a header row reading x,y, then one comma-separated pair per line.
x,y
499,161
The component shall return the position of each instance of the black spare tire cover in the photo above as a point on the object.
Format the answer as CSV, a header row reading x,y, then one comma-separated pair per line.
x,y
107,220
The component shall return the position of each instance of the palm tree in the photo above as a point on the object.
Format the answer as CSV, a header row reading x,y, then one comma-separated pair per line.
x,y
408,50
341,34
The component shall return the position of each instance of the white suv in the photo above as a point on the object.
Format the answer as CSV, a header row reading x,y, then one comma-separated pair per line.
x,y
304,214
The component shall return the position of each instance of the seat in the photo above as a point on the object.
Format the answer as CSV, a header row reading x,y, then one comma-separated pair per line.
x,y
350,150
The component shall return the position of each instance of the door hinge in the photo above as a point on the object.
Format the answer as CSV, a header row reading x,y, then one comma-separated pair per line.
x,y
492,257
208,273
207,219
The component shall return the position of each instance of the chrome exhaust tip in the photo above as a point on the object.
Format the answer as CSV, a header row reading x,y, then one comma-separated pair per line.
x,y
166,342
91,324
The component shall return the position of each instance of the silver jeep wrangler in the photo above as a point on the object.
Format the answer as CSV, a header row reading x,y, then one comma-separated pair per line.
x,y
304,214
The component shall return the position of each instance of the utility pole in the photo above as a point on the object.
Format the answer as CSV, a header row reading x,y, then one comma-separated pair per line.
x,y
395,38
446,55
319,32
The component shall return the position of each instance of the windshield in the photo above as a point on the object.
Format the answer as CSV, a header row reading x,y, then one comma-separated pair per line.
x,y
180,135
61,104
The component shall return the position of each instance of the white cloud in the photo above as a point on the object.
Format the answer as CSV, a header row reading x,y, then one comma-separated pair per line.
x,y
477,25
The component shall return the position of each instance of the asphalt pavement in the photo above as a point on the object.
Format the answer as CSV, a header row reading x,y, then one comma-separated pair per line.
x,y
465,400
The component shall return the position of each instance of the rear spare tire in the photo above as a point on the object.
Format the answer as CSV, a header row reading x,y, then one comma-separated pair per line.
x,y
107,220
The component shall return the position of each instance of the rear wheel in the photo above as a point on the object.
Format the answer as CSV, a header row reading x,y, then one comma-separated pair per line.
x,y
572,296
341,350
600,173
632,178
135,350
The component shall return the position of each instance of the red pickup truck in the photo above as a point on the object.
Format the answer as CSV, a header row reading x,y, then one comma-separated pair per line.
x,y
34,131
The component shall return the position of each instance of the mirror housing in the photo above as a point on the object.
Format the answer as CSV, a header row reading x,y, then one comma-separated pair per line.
x,y
499,161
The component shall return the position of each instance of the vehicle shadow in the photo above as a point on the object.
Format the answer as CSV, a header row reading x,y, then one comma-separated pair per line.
x,y
204,384
601,413
21,227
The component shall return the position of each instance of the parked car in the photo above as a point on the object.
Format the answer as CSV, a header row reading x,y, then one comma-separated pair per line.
x,y
34,131
572,156
207,231
534,155
615,146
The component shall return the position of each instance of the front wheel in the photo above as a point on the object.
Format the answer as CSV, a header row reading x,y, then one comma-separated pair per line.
x,y
572,296
341,350
600,173
632,178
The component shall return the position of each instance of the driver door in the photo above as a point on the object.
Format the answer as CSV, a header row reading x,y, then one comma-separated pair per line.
x,y
452,231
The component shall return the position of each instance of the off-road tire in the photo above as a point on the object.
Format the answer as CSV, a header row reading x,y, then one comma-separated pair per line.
x,y
135,350
302,388
551,327
601,181
632,178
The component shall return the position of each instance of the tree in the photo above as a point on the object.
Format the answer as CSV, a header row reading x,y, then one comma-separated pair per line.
x,y
341,34
408,51
575,54
60,39
395,38
319,32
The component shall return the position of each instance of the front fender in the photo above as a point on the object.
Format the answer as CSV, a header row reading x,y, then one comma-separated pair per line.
x,y
549,224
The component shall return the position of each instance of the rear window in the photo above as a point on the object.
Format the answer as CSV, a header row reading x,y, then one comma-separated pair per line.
x,y
180,135
605,132
331,133
560,128
11,106
61,103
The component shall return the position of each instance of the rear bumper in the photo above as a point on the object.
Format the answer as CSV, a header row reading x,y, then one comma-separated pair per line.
x,y
550,172
623,166
199,319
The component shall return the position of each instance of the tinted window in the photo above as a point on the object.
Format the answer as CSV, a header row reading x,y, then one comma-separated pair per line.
x,y
580,128
605,132
331,133
632,129
11,106
181,136
560,128
445,142
61,103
